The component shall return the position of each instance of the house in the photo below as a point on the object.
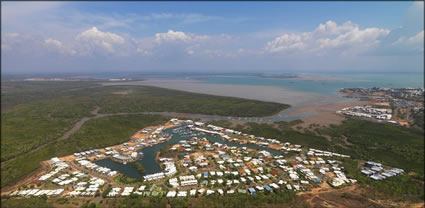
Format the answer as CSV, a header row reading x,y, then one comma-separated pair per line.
x,y
251,191
367,172
267,188
370,164
193,168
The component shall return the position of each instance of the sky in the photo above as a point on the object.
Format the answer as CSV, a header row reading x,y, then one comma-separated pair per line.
x,y
100,37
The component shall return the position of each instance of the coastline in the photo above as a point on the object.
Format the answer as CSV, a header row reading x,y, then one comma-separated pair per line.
x,y
310,107
273,93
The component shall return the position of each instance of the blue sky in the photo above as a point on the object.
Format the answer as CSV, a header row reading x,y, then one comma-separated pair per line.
x,y
212,36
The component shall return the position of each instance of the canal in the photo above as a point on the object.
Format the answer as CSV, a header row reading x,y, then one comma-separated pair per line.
x,y
149,153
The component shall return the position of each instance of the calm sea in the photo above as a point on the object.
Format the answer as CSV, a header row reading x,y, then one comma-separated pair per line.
x,y
331,86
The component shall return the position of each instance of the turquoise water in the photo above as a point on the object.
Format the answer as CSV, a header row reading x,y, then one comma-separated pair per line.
x,y
328,87
149,154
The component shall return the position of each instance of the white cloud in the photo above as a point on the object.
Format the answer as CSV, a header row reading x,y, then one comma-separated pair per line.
x,y
95,39
331,28
328,36
416,39
13,40
285,42
355,38
172,36
415,43
58,46
176,36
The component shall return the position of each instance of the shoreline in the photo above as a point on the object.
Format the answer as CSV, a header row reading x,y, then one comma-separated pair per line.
x,y
310,107
254,92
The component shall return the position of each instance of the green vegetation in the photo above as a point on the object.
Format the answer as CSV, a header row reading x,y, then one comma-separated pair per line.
x,y
62,201
106,191
96,133
123,179
139,167
390,144
418,119
281,199
28,126
397,188
33,202
278,199
14,93
152,99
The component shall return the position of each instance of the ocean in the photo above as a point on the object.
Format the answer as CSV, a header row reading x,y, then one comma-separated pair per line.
x,y
335,81
321,83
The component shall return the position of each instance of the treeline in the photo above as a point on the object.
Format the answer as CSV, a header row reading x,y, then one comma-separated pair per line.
x,y
276,199
153,99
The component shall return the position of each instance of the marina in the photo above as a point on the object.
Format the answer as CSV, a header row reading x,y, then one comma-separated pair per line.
x,y
149,162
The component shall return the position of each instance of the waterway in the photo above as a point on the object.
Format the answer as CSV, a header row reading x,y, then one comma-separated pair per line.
x,y
149,153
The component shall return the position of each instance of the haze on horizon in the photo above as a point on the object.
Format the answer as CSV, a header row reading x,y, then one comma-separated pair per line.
x,y
205,37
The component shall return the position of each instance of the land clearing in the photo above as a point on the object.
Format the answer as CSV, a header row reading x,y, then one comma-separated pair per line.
x,y
326,196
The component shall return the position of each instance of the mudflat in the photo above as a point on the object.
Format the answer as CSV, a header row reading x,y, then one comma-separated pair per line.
x,y
255,92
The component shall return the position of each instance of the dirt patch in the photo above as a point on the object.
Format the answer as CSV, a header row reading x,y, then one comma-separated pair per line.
x,y
325,196
350,196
